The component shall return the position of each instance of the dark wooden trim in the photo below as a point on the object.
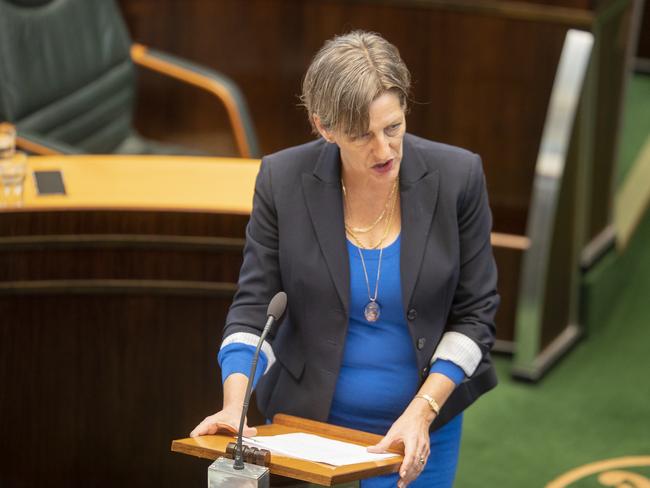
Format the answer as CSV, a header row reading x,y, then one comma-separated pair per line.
x,y
173,243
113,287
572,17
149,241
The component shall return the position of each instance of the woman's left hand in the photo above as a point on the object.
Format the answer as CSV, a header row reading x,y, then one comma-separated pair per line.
x,y
412,430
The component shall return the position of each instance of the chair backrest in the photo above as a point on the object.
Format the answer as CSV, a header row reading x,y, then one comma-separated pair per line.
x,y
66,72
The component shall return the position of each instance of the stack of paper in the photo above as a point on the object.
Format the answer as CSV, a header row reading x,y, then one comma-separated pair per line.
x,y
316,448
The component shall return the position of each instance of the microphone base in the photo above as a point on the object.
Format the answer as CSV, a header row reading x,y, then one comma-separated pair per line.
x,y
222,474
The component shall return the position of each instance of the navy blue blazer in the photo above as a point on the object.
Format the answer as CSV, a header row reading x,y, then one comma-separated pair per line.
x,y
295,241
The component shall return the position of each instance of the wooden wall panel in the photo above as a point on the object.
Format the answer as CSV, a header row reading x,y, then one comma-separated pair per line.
x,y
94,388
481,80
98,375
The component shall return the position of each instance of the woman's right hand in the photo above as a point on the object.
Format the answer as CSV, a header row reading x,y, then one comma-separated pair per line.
x,y
226,421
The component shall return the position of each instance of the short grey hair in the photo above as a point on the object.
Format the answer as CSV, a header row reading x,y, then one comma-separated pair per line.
x,y
347,74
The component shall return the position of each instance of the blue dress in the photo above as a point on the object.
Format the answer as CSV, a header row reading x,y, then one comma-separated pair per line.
x,y
379,375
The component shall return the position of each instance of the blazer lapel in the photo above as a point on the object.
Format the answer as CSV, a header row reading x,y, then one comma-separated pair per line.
x,y
322,191
419,198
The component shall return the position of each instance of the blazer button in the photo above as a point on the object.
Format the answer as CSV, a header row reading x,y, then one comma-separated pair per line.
x,y
412,314
421,342
424,372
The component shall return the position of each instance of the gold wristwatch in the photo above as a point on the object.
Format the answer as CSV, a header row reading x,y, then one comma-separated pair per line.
x,y
432,403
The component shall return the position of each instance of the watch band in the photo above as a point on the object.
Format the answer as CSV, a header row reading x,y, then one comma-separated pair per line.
x,y
432,403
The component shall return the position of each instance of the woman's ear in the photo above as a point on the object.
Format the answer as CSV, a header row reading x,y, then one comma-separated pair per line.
x,y
326,134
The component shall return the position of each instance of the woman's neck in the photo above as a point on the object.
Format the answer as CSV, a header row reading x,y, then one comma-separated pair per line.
x,y
366,189
372,211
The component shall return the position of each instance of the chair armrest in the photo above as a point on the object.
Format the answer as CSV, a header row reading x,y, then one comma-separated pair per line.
x,y
210,80
42,146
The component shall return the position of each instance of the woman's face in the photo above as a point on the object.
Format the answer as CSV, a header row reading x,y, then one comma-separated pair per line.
x,y
377,154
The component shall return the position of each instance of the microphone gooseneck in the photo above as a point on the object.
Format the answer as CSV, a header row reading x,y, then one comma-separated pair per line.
x,y
274,312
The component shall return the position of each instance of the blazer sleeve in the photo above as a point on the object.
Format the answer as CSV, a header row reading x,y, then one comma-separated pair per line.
x,y
475,299
259,277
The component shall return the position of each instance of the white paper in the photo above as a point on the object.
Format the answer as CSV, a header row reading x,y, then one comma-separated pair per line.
x,y
316,448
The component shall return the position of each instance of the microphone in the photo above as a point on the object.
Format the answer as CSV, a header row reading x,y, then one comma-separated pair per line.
x,y
273,314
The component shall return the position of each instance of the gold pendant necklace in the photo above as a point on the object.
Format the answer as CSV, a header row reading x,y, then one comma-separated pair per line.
x,y
372,310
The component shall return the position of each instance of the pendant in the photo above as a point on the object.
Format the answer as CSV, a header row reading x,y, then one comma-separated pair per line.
x,y
372,311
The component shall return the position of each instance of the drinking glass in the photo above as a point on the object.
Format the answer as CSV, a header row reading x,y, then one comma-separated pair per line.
x,y
13,167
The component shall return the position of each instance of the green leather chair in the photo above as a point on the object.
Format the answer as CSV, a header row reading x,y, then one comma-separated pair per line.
x,y
67,80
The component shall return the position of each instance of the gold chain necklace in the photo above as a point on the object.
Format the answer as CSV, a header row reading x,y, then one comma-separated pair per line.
x,y
363,230
386,231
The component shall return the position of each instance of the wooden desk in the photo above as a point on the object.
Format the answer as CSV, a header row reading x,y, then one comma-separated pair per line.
x,y
112,303
213,446
155,183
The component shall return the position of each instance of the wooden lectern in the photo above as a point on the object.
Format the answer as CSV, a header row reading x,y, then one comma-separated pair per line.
x,y
214,446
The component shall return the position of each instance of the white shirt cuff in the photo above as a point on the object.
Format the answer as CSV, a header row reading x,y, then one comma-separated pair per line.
x,y
460,350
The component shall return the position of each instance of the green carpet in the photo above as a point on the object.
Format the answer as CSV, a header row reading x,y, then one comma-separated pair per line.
x,y
595,404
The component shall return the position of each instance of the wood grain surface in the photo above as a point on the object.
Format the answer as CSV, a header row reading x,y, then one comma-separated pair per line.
x,y
482,76
157,183
211,447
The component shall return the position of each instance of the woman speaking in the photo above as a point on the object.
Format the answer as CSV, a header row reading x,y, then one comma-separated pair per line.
x,y
381,241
